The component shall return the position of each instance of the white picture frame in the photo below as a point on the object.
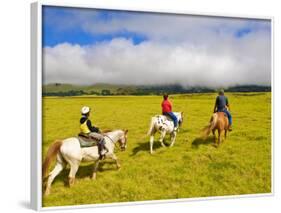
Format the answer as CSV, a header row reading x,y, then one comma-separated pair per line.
x,y
36,103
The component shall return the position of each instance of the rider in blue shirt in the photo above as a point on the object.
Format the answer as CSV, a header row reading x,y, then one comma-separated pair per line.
x,y
222,105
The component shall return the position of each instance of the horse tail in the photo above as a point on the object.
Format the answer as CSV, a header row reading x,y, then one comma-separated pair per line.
x,y
151,127
52,152
207,129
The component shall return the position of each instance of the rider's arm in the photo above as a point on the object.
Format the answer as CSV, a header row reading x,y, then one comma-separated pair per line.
x,y
162,105
227,104
170,105
92,128
216,104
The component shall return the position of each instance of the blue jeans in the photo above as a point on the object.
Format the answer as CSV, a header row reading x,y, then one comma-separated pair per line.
x,y
228,115
173,117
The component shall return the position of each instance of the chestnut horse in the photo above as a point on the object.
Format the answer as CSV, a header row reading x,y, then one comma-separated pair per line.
x,y
218,121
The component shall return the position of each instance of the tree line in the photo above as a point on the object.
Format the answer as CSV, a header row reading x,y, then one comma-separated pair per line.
x,y
156,90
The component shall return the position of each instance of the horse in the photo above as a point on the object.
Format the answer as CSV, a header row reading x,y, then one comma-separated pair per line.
x,y
218,121
68,151
164,125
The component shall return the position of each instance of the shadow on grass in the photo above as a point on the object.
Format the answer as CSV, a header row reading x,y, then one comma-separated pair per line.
x,y
84,171
183,131
200,141
145,147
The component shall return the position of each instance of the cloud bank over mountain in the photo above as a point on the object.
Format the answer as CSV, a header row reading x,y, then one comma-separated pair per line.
x,y
154,49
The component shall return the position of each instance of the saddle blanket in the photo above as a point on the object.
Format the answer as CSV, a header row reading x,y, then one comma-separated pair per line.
x,y
164,120
86,141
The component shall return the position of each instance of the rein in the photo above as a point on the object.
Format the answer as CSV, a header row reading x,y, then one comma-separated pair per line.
x,y
109,138
112,141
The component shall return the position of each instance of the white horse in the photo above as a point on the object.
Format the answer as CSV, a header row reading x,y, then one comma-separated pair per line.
x,y
164,125
68,151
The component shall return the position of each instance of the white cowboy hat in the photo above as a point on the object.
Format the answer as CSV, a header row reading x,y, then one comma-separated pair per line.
x,y
85,110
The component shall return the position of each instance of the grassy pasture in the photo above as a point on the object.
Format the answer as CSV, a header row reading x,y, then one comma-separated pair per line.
x,y
192,168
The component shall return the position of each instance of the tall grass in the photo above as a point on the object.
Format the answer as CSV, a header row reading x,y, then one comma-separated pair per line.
x,y
192,168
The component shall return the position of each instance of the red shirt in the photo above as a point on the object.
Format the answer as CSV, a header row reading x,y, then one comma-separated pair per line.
x,y
166,106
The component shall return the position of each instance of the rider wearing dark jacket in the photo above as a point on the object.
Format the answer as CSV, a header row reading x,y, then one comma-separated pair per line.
x,y
84,119
222,105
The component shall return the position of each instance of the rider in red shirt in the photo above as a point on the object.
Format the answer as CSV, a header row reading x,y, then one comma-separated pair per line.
x,y
167,110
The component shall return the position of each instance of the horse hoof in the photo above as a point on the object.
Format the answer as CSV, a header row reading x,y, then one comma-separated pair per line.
x,y
215,145
94,177
47,192
71,182
152,152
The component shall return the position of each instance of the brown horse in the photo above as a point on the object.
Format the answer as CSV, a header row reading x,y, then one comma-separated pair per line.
x,y
218,121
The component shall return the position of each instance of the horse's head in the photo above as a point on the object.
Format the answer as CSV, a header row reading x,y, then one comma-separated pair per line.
x,y
123,140
180,118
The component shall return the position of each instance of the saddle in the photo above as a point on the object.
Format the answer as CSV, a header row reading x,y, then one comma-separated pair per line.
x,y
225,115
163,121
168,118
86,140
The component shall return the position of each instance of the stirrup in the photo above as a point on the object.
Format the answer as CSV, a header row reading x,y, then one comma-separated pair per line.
x,y
103,152
102,157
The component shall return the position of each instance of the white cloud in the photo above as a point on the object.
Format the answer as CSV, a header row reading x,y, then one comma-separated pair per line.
x,y
217,61
189,50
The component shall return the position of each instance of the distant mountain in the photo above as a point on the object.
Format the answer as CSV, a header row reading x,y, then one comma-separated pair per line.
x,y
58,89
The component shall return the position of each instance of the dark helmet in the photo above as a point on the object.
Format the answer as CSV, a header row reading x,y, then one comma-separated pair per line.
x,y
165,96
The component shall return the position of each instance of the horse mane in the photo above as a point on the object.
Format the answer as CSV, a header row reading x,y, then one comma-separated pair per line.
x,y
106,131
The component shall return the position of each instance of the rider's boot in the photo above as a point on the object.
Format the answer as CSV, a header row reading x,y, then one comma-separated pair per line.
x,y
229,128
103,149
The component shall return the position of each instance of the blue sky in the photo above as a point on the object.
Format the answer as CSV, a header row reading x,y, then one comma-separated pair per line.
x,y
74,32
135,47
53,34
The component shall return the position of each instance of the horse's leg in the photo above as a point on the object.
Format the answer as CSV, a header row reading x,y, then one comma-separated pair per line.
x,y
173,138
215,141
163,133
58,168
151,143
225,132
94,175
74,165
219,136
114,157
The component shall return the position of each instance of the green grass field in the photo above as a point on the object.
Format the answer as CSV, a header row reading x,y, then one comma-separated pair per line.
x,y
192,168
